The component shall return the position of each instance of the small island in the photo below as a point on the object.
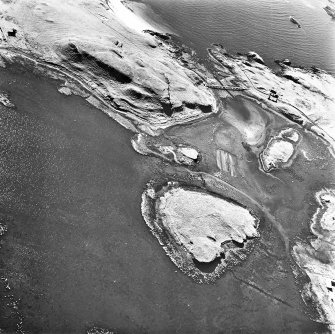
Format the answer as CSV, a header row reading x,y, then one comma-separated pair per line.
x,y
203,234
280,150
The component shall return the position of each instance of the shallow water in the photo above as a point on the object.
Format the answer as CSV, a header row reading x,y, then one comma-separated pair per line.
x,y
77,251
262,26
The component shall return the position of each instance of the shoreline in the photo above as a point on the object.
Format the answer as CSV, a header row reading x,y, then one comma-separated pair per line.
x,y
315,258
68,75
177,251
167,71
130,98
149,15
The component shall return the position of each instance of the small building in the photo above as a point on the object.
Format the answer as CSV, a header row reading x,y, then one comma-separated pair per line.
x,y
273,96
12,33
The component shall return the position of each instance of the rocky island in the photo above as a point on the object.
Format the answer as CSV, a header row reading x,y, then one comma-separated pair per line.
x,y
279,150
202,234
232,135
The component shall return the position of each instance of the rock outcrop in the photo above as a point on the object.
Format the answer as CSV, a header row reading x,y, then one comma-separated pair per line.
x,y
256,57
305,96
165,149
137,71
203,234
203,223
316,259
280,150
6,101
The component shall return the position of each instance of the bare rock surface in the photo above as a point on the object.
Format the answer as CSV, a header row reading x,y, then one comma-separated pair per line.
x,y
189,152
317,260
165,149
106,45
279,150
202,223
152,83
306,96
256,57
203,234
4,99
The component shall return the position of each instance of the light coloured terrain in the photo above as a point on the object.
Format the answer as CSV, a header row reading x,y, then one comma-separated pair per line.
x,y
290,134
151,85
317,258
252,129
226,162
5,100
3,229
276,153
191,153
203,223
167,150
306,96
104,44
279,150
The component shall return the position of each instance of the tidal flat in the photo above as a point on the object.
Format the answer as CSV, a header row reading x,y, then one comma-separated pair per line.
x,y
68,175
76,254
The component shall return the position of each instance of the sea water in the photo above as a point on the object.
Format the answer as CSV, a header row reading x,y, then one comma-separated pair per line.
x,y
262,26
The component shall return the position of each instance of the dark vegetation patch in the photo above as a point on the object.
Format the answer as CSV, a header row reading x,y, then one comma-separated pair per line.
x,y
205,109
178,108
139,94
164,37
113,72
73,54
238,244
208,267
190,105
290,77
167,110
294,118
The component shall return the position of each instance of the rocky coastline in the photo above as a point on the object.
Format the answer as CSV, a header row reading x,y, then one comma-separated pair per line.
x,y
152,85
316,258
203,256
